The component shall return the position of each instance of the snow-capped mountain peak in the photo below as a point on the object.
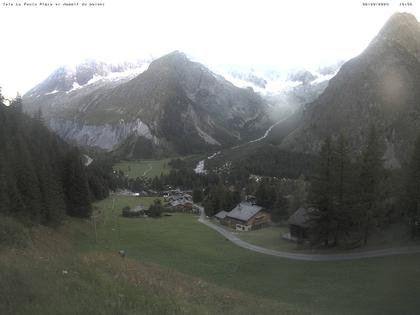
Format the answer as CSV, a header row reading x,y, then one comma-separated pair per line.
x,y
275,81
67,79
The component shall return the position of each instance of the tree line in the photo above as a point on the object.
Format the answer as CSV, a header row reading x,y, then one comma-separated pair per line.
x,y
355,195
42,178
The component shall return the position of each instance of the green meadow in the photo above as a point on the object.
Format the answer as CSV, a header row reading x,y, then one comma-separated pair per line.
x,y
147,168
176,265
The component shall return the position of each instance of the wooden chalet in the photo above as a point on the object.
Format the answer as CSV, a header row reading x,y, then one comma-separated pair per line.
x,y
221,216
299,224
245,217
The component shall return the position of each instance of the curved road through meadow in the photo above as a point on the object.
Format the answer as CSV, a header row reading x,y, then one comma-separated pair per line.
x,y
307,257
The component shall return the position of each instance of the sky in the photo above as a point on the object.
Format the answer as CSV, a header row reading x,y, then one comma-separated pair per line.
x,y
257,33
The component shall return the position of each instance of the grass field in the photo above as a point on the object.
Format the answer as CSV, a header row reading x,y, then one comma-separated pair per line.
x,y
148,168
52,277
381,285
175,265
393,236
269,237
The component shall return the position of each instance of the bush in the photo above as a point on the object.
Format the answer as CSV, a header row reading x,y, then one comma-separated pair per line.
x,y
126,211
13,233
155,210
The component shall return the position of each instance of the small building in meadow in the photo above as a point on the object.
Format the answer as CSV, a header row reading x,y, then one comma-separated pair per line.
x,y
137,211
299,224
221,216
247,216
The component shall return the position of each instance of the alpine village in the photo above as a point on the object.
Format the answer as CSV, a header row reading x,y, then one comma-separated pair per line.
x,y
163,187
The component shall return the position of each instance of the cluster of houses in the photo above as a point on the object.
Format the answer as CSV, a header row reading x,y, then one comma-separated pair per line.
x,y
175,200
179,200
246,216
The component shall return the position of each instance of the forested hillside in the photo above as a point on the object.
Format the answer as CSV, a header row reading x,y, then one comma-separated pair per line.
x,y
41,177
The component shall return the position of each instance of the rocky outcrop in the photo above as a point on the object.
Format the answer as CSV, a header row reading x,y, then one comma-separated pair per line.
x,y
106,136
176,106
303,76
380,87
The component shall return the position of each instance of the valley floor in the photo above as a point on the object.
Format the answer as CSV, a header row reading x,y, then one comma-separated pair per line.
x,y
176,265
146,168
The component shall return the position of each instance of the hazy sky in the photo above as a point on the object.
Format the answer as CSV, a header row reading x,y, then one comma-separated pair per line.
x,y
294,33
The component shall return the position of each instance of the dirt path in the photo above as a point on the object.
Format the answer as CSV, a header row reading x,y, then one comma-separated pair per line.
x,y
308,257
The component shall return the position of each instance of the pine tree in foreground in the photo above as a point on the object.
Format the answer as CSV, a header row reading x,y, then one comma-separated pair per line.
x,y
371,185
412,194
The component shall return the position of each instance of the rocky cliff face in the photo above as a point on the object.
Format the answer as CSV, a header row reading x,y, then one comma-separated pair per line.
x,y
176,106
380,87
106,136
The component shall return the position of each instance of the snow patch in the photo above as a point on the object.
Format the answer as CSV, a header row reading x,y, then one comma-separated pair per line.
x,y
276,81
200,168
130,73
75,87
50,93
213,155
88,161
273,85
95,78
113,77
321,78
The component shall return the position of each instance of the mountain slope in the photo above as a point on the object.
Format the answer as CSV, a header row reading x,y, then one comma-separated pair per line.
x,y
175,106
380,87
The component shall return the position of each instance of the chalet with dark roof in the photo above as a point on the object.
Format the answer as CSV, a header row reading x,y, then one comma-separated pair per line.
x,y
299,223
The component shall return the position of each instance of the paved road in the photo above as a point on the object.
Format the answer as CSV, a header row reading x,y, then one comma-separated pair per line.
x,y
307,257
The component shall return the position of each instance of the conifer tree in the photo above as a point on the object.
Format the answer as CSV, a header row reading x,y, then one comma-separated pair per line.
x,y
17,103
197,195
343,184
32,181
280,209
321,195
76,186
265,194
370,184
1,97
298,195
4,195
412,194
26,179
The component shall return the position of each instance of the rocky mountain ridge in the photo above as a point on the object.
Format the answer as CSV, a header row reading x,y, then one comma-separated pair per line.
x,y
175,106
380,88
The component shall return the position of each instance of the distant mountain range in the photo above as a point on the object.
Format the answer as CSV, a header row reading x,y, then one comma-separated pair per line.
x,y
171,106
